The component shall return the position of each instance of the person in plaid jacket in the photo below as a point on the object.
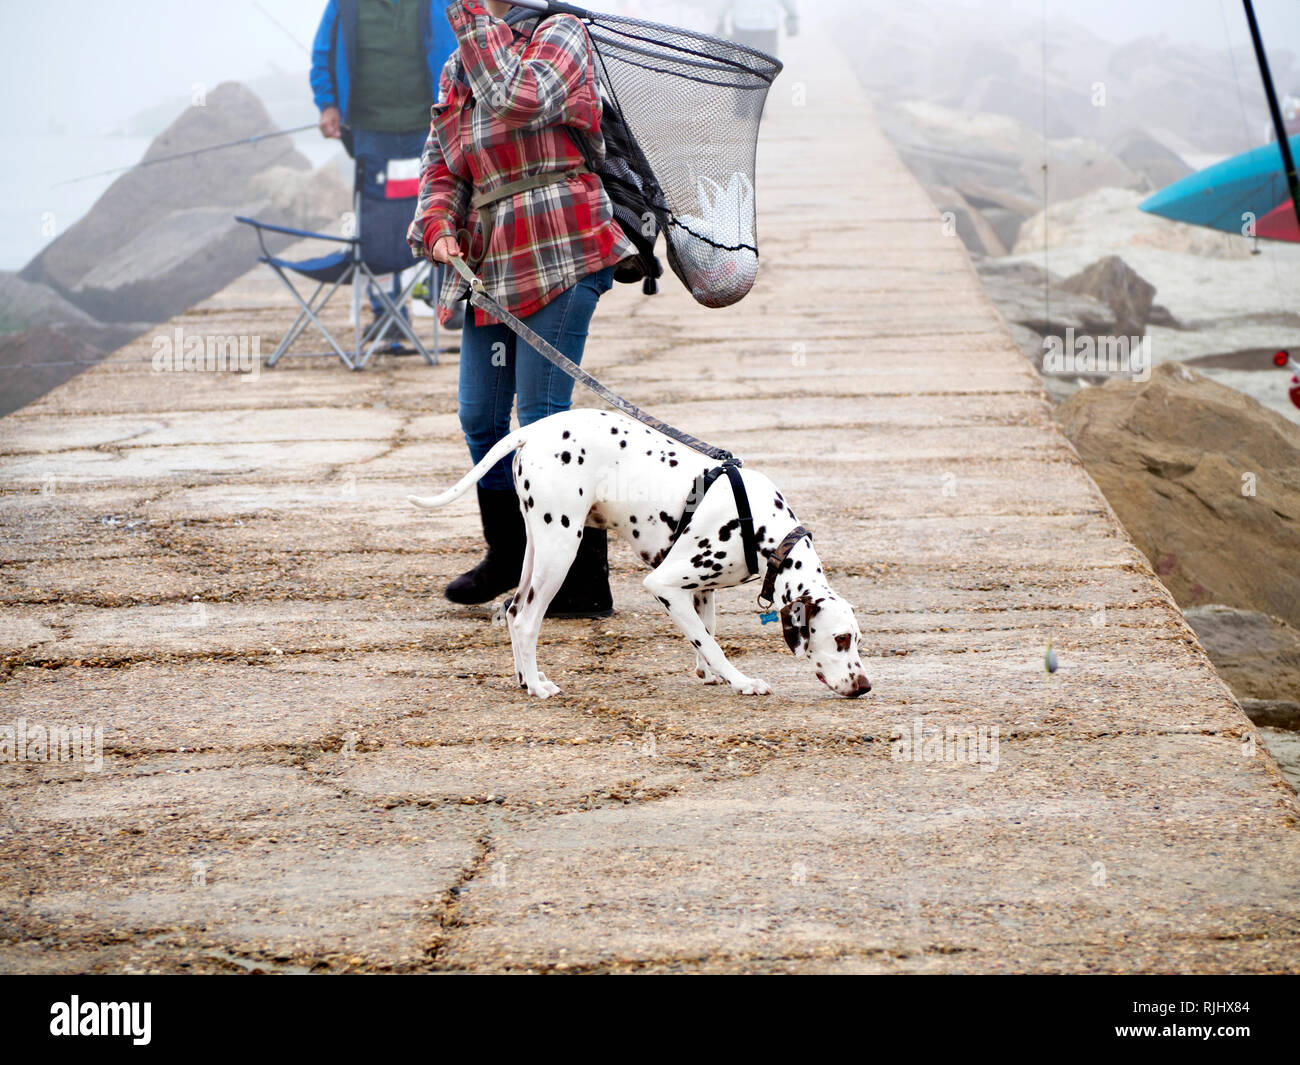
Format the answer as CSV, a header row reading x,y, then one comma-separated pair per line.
x,y
515,128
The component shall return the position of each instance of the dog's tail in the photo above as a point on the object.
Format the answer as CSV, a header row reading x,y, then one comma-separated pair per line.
x,y
502,448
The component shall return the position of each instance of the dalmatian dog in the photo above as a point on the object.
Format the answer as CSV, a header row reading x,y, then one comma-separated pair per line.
x,y
600,469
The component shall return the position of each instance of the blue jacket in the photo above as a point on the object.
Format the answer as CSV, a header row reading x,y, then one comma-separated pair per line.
x,y
334,52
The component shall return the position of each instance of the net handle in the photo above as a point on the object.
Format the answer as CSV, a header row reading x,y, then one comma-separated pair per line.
x,y
551,7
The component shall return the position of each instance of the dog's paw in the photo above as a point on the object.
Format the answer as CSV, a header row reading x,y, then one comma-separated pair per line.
x,y
543,688
707,675
751,686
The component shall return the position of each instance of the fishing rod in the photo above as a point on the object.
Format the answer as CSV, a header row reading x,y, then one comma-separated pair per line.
x,y
1279,126
186,155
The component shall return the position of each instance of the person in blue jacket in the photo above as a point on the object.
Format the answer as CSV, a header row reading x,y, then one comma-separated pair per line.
x,y
375,70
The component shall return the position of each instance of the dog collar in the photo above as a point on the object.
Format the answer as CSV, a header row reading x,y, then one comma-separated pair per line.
x,y
774,563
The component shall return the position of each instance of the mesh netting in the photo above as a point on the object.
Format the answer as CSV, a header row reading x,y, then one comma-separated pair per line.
x,y
693,105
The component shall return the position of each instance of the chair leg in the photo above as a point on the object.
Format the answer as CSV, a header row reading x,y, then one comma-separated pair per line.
x,y
311,312
295,330
393,317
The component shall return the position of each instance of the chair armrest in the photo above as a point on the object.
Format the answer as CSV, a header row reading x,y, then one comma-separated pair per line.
x,y
303,233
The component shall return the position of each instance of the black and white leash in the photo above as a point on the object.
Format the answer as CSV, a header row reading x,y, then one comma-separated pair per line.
x,y
478,296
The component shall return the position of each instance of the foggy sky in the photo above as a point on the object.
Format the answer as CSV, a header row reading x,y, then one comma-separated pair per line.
x,y
89,65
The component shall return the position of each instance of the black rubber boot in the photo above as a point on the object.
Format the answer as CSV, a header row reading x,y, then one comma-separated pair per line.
x,y
503,529
585,592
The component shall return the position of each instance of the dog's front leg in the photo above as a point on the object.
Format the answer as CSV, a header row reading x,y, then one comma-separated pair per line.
x,y
708,612
680,605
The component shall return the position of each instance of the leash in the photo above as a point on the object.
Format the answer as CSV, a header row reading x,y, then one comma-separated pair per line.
x,y
478,296
730,465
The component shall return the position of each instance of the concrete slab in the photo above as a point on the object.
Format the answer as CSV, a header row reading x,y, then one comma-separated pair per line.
x,y
312,762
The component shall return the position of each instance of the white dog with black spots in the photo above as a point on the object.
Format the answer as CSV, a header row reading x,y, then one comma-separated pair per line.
x,y
600,469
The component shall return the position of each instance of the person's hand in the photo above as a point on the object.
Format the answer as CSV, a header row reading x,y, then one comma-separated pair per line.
x,y
331,123
444,250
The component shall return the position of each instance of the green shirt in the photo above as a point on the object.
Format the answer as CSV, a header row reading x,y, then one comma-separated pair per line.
x,y
390,89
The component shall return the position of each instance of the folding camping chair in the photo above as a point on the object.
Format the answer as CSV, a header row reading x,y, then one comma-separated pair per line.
x,y
384,201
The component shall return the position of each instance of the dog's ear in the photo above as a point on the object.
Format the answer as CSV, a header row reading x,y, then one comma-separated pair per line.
x,y
794,626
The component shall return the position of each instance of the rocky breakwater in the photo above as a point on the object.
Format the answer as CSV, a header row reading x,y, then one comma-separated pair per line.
x,y
161,238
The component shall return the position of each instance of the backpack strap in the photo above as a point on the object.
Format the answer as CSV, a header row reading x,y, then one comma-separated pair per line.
x,y
645,265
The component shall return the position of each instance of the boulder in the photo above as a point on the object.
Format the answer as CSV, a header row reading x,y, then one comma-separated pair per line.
x,y
986,196
144,199
1076,167
1122,289
950,148
1205,479
970,224
1110,218
178,260
36,360
306,199
1069,111
1150,159
1005,223
25,305
47,340
1162,316
1018,289
1257,654
1284,746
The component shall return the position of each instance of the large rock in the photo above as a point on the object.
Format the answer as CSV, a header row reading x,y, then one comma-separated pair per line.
x,y
970,224
1149,159
36,360
1068,111
1020,291
1122,289
1258,655
25,305
1205,479
45,340
105,265
176,261
1110,218
182,257
311,199
955,149
989,57
1076,167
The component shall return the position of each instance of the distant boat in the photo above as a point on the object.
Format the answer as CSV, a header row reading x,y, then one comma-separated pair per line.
x,y
1246,194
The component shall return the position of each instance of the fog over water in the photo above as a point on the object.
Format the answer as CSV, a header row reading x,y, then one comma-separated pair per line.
x,y
85,85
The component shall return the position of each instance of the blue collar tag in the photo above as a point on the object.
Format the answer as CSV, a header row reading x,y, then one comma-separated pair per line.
x,y
768,617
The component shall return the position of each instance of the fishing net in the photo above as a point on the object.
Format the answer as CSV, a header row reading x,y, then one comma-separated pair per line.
x,y
692,104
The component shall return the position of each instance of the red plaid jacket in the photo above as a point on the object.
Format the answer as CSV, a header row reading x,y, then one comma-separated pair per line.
x,y
505,100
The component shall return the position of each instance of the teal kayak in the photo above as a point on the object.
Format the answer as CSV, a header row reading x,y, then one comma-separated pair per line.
x,y
1246,194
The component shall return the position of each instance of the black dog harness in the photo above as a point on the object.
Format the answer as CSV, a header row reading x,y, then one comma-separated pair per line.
x,y
702,484
747,535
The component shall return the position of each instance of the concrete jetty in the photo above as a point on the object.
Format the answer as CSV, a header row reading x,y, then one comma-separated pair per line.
x,y
312,762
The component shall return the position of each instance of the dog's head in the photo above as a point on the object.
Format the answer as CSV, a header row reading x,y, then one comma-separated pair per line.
x,y
824,629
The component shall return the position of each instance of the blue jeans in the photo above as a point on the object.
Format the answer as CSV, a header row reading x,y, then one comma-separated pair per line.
x,y
496,366
379,144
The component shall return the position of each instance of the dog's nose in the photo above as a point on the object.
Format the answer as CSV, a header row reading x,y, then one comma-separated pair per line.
x,y
863,686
